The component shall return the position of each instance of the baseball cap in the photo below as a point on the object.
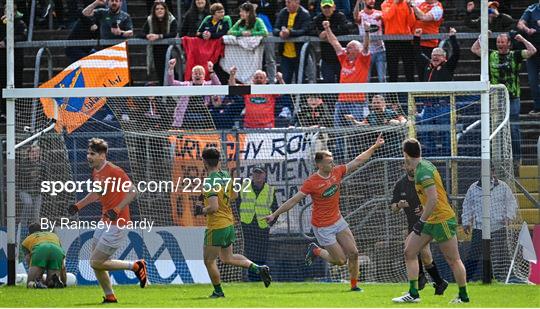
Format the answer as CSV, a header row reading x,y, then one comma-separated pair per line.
x,y
259,169
327,3
494,3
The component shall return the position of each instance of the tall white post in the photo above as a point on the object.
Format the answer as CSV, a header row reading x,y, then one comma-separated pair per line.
x,y
485,146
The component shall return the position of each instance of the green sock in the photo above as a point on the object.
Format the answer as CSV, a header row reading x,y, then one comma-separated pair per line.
x,y
463,292
413,288
217,288
254,268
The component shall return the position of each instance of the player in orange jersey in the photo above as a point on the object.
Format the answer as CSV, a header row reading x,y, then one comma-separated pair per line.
x,y
114,199
331,230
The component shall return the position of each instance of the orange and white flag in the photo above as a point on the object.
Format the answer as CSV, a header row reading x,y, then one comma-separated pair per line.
x,y
106,68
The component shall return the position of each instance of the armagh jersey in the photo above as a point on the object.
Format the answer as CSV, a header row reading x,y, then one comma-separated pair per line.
x,y
220,185
325,195
426,175
114,193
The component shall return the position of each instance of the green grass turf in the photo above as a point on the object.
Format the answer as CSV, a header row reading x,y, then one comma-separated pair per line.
x,y
277,295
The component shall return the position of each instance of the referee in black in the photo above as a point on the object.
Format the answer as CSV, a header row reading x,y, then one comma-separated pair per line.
x,y
404,197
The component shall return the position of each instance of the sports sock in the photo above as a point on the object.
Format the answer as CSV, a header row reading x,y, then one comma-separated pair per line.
x,y
354,282
434,273
217,288
420,267
317,251
254,268
413,288
463,293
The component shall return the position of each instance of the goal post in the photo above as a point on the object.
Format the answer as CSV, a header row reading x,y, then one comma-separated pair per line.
x,y
151,147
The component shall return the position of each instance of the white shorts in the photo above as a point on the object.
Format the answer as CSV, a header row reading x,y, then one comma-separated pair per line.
x,y
109,241
326,236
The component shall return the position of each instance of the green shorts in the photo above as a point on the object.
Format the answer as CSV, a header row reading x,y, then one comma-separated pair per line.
x,y
223,237
441,232
47,256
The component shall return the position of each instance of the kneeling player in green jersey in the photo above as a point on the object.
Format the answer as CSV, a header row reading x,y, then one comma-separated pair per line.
x,y
44,254
220,234
437,222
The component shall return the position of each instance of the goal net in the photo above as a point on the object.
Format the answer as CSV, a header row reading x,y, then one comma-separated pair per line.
x,y
271,132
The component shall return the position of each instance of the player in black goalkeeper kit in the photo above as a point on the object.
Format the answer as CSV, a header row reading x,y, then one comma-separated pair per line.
x,y
404,197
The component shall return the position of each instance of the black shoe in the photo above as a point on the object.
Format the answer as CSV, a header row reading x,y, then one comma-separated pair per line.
x,y
56,283
310,255
109,301
440,288
422,280
357,289
265,275
217,295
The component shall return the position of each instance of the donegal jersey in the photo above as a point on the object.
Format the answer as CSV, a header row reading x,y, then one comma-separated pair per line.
x,y
325,195
39,238
113,191
426,175
220,184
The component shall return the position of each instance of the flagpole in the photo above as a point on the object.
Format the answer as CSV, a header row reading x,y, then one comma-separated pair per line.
x,y
512,263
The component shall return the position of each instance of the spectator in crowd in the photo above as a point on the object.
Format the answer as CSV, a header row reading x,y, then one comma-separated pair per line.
x,y
248,24
85,28
194,16
429,17
225,111
502,211
330,67
498,22
215,25
315,113
32,173
292,21
355,61
529,23
113,22
150,4
379,115
191,112
161,24
376,47
437,68
265,13
260,110
257,200
398,19
436,111
19,31
504,68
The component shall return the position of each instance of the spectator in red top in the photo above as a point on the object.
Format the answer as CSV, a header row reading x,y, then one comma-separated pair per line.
x,y
429,17
398,19
355,61
260,109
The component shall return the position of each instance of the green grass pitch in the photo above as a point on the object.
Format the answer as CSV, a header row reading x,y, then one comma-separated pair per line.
x,y
277,295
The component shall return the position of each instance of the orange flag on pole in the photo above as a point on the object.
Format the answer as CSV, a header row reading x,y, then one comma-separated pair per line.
x,y
106,68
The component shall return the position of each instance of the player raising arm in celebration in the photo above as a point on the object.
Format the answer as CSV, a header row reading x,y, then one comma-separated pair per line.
x,y
438,222
115,209
331,230
220,235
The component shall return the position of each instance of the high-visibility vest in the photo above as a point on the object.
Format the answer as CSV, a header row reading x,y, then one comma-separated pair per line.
x,y
252,205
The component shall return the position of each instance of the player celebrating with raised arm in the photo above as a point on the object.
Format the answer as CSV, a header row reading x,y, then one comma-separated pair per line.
x,y
330,229
115,209
438,222
220,235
